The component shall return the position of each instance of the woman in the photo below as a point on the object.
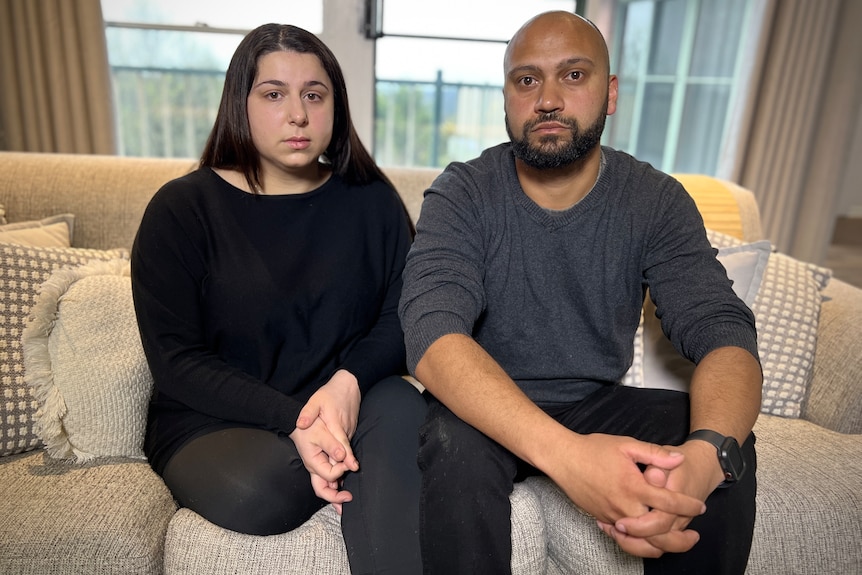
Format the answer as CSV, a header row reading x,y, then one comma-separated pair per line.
x,y
266,286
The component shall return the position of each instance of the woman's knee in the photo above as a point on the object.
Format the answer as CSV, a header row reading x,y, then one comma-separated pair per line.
x,y
393,402
245,480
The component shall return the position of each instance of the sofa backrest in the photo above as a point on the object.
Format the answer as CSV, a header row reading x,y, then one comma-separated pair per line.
x,y
108,194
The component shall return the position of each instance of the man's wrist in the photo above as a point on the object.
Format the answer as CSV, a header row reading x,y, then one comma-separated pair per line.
x,y
726,451
702,454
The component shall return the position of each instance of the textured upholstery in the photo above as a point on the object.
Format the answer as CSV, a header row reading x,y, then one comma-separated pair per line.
x,y
58,518
116,516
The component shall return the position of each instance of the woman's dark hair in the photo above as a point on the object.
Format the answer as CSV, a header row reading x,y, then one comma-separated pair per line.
x,y
230,145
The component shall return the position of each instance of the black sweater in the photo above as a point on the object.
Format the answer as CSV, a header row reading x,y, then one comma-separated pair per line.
x,y
555,298
248,304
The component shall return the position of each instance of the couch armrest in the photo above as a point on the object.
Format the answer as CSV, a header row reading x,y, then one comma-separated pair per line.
x,y
835,395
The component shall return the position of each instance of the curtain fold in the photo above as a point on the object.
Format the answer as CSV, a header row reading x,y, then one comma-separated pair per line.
x,y
802,113
56,94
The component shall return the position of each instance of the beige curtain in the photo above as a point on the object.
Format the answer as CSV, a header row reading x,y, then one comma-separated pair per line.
x,y
803,108
55,78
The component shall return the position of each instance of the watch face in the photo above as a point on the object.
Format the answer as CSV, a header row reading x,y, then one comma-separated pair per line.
x,y
732,461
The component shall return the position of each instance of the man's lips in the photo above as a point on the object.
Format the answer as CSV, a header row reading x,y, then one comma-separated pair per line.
x,y
549,127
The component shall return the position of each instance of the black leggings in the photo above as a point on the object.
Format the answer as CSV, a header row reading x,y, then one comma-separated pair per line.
x,y
253,481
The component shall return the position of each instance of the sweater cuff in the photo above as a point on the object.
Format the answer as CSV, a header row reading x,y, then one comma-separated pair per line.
x,y
431,327
729,335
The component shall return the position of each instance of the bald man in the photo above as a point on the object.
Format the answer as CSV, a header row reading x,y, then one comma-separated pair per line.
x,y
522,294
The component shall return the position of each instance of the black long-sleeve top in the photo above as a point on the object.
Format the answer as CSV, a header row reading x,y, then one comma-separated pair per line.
x,y
247,304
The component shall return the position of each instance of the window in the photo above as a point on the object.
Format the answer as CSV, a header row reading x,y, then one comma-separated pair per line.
x,y
432,82
439,78
680,63
168,67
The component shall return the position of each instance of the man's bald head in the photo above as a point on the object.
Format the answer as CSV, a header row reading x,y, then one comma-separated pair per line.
x,y
548,24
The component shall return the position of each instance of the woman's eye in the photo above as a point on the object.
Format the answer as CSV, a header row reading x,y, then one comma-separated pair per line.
x,y
271,95
313,97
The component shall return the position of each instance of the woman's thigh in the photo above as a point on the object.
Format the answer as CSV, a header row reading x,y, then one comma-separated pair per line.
x,y
245,479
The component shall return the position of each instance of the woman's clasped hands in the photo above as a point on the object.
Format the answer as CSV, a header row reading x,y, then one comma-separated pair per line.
x,y
322,436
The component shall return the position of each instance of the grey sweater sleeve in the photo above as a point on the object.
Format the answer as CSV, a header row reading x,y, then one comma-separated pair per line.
x,y
443,291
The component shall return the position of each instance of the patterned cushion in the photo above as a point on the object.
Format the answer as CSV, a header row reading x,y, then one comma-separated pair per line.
x,y
787,311
656,363
84,360
22,271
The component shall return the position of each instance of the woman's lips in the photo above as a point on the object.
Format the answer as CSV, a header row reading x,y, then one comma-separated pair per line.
x,y
298,143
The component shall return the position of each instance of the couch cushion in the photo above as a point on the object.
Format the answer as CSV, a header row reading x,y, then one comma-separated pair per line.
x,y
105,518
787,311
194,545
809,499
84,360
575,542
56,231
22,271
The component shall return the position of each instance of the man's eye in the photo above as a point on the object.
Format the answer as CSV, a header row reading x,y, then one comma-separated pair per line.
x,y
528,81
575,75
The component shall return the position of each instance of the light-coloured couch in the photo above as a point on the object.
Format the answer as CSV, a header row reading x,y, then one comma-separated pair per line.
x,y
114,515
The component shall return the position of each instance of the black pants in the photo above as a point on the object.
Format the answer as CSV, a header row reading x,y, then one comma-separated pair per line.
x,y
467,479
253,481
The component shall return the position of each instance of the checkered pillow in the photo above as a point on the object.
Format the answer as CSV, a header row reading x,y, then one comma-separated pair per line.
x,y
787,311
23,269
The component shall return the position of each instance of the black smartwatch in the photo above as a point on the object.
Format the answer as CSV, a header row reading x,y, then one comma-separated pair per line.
x,y
729,454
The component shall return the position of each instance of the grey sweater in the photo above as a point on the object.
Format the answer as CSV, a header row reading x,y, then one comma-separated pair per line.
x,y
555,298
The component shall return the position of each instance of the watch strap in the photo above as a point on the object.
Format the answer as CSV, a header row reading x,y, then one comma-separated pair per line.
x,y
707,435
719,441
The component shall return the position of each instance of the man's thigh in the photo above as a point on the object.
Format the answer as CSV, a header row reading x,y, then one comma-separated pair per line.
x,y
653,415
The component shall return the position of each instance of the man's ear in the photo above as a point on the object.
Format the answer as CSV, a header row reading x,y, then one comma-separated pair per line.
x,y
613,92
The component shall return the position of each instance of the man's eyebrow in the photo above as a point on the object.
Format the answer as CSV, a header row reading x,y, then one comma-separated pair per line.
x,y
561,65
576,60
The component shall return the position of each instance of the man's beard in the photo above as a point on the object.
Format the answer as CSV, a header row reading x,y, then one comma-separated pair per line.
x,y
550,152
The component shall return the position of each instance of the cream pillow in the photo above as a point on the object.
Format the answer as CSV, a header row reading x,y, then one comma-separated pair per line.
x,y
23,269
84,361
54,231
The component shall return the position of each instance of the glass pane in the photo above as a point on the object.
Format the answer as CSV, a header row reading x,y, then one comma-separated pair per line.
x,y
618,128
457,61
165,113
434,123
167,85
717,40
638,17
460,19
246,15
655,116
667,36
447,105
170,49
702,128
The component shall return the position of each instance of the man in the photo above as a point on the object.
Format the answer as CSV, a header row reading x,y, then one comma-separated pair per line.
x,y
522,294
